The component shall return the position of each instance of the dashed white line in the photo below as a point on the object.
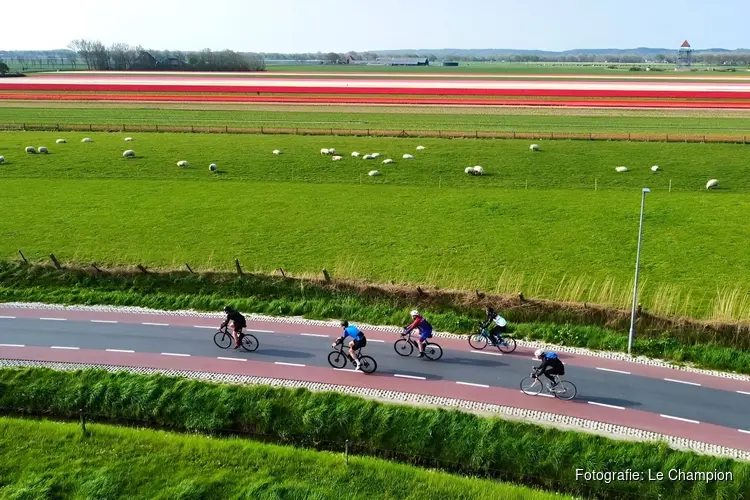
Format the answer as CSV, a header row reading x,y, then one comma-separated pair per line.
x,y
155,324
53,319
7,317
607,406
173,354
681,382
409,376
261,331
313,335
119,350
287,364
745,393
206,327
232,359
490,353
375,340
348,370
103,321
540,394
473,385
680,419
613,371
64,347
12,345
744,431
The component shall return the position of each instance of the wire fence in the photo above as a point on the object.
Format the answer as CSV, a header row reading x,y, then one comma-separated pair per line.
x,y
446,134
346,447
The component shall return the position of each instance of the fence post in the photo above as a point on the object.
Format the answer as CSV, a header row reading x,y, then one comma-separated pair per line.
x,y
514,134
346,451
670,185
283,274
590,138
188,268
54,261
96,267
22,256
142,269
157,128
326,275
83,420
91,127
237,265
58,127
476,134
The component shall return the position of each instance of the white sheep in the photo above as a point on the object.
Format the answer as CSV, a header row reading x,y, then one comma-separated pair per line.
x,y
367,157
621,169
373,173
478,170
182,163
387,160
469,171
129,153
212,167
336,158
331,151
355,154
407,157
86,139
2,160
655,168
276,152
30,149
713,183
534,147
42,149
324,151
61,141
420,148
374,155
128,139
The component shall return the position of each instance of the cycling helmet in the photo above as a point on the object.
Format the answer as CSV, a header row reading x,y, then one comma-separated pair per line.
x,y
538,353
414,313
490,310
228,309
344,323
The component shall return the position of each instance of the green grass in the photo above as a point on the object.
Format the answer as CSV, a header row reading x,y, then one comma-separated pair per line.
x,y
457,441
422,222
42,459
327,117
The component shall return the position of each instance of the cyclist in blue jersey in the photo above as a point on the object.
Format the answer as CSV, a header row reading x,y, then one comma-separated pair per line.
x,y
358,340
424,327
551,365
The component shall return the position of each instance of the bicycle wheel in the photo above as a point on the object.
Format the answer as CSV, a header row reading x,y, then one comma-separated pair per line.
x,y
403,347
509,345
565,390
531,386
433,352
478,341
367,364
222,339
337,359
249,342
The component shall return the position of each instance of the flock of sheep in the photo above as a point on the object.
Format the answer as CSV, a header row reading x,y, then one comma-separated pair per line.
x,y
357,154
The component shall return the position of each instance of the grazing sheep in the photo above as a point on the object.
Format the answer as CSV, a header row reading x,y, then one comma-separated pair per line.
x,y
276,152
478,170
655,168
621,169
2,160
355,154
469,171
182,163
367,157
129,153
61,141
324,151
30,149
375,155
713,183
387,160
420,148
407,157
336,158
86,139
331,151
373,173
42,149
212,167
128,139
534,147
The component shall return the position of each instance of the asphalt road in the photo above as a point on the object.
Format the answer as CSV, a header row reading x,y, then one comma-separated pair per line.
x,y
658,396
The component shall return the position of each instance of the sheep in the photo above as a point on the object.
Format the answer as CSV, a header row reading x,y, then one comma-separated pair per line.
x,y
61,141
534,147
469,171
129,153
276,152
478,170
212,167
407,157
324,151
2,160
355,154
43,150
387,160
655,168
374,155
86,139
336,158
420,148
331,151
182,163
367,157
621,169
128,139
30,149
373,173
713,183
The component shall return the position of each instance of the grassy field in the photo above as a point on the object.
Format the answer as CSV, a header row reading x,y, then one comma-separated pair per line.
x,y
389,118
41,459
559,238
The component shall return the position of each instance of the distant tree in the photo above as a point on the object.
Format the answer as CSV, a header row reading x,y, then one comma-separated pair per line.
x,y
3,68
432,58
333,58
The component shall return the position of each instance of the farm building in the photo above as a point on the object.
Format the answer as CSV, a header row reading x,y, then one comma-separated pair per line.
x,y
403,61
449,63
144,60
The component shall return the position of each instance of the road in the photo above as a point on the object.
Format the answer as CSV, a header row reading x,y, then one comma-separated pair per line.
x,y
641,396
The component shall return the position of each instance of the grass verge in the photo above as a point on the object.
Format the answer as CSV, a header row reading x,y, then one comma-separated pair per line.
x,y
42,459
457,441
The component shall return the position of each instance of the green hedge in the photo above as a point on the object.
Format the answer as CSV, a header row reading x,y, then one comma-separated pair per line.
x,y
462,442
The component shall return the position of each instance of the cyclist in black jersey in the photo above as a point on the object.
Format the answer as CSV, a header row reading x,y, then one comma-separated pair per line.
x,y
238,323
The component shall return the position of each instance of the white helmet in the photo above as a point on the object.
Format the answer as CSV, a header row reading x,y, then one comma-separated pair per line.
x,y
414,313
538,353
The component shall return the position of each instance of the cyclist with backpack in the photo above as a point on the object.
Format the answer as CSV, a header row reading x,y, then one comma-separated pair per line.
x,y
551,365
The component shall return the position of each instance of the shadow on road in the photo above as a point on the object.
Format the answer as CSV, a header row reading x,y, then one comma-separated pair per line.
x,y
477,361
609,401
283,353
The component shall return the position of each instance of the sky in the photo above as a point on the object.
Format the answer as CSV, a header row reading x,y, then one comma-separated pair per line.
x,y
343,25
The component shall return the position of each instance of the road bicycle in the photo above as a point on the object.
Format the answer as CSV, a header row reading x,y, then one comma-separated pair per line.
x,y
564,389
481,339
224,339
338,359
405,347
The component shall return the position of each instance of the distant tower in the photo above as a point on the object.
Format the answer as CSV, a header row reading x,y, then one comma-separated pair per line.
x,y
685,55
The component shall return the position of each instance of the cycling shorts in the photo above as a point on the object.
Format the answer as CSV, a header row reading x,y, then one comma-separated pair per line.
x,y
427,334
360,343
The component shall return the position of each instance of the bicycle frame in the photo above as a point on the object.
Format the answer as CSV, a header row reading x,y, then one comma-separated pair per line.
x,y
357,352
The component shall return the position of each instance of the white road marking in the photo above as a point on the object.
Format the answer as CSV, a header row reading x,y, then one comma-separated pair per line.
x,y
744,431
7,317
408,376
681,381
173,354
540,394
102,321
680,419
232,359
53,319
12,345
206,327
155,324
473,385
490,353
261,331
745,393
375,340
119,350
63,347
607,406
287,364
348,370
313,335
613,371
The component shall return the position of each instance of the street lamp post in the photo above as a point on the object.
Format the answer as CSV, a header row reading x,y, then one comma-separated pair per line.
x,y
637,264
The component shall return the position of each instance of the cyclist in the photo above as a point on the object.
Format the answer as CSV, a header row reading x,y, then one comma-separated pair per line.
x,y
238,323
358,340
551,365
424,327
496,334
